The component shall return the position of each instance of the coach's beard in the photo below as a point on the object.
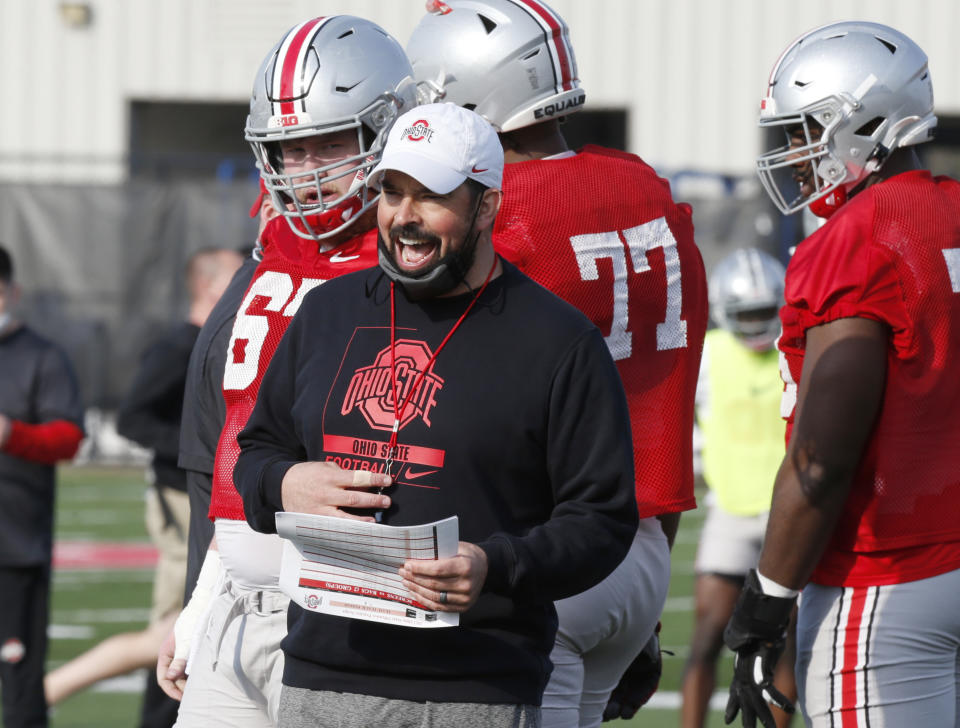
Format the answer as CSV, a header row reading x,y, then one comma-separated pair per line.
x,y
439,279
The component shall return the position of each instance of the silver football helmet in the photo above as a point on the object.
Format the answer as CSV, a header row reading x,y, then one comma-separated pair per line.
x,y
866,86
326,75
509,60
746,293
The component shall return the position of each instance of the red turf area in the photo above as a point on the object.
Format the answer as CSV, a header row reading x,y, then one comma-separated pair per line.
x,y
103,555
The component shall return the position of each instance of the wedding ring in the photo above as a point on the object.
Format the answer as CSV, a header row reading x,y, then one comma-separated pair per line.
x,y
443,597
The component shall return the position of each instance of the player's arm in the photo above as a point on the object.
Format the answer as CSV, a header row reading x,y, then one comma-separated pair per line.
x,y
173,655
839,396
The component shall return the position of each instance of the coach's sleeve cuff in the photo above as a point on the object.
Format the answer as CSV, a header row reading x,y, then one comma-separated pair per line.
x,y
271,484
500,565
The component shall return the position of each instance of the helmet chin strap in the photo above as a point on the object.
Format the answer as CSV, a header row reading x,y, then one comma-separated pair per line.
x,y
449,272
828,204
333,218
330,219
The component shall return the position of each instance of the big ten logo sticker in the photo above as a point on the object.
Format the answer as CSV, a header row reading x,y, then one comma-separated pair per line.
x,y
271,293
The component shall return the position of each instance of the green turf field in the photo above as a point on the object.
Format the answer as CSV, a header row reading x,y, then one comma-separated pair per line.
x,y
106,504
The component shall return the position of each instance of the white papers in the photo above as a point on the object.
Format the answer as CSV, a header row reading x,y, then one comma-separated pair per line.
x,y
350,568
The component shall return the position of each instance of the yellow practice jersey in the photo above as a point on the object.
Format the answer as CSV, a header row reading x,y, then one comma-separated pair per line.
x,y
738,412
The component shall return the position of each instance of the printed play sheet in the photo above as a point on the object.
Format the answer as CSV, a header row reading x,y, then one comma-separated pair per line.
x,y
349,568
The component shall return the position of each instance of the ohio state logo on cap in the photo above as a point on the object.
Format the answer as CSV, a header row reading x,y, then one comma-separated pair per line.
x,y
418,131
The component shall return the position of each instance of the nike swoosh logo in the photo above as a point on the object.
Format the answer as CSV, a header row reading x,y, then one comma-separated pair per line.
x,y
413,475
337,258
478,171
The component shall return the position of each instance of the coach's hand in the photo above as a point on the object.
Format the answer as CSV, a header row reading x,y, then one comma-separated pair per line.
x,y
447,585
326,489
756,632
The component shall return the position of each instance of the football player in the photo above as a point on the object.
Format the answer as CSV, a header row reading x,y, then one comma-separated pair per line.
x,y
599,228
863,518
323,101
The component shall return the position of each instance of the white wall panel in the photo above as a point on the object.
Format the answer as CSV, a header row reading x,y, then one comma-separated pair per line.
x,y
690,72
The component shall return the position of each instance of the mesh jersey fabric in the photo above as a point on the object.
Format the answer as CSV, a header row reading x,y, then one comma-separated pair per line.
x,y
601,230
890,255
291,267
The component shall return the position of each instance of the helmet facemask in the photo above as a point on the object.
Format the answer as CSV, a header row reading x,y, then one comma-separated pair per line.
x,y
756,327
298,197
784,170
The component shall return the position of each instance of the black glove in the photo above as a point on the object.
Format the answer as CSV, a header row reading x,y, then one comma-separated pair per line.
x,y
639,682
756,632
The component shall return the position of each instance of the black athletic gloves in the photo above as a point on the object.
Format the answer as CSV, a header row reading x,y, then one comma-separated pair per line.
x,y
756,632
639,682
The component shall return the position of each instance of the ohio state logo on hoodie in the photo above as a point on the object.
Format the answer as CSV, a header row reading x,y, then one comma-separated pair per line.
x,y
370,391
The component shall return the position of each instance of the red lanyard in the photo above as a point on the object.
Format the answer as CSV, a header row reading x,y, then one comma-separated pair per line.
x,y
398,409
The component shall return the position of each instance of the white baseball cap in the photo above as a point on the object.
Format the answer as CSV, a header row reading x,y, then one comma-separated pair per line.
x,y
440,146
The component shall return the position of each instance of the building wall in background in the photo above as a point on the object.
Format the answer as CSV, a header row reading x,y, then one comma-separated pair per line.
x,y
689,72
112,131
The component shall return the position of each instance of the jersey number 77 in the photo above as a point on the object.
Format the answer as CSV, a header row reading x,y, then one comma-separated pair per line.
x,y
672,331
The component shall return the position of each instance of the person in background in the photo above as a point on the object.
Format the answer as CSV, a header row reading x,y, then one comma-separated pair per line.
x,y
600,229
150,416
864,512
41,423
738,413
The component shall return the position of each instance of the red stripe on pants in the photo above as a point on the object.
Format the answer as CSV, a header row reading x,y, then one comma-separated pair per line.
x,y
848,671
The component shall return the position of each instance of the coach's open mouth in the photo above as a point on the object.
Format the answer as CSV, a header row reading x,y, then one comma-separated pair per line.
x,y
415,253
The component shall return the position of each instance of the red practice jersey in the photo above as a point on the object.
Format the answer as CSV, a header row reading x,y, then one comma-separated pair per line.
x,y
290,268
892,254
601,230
